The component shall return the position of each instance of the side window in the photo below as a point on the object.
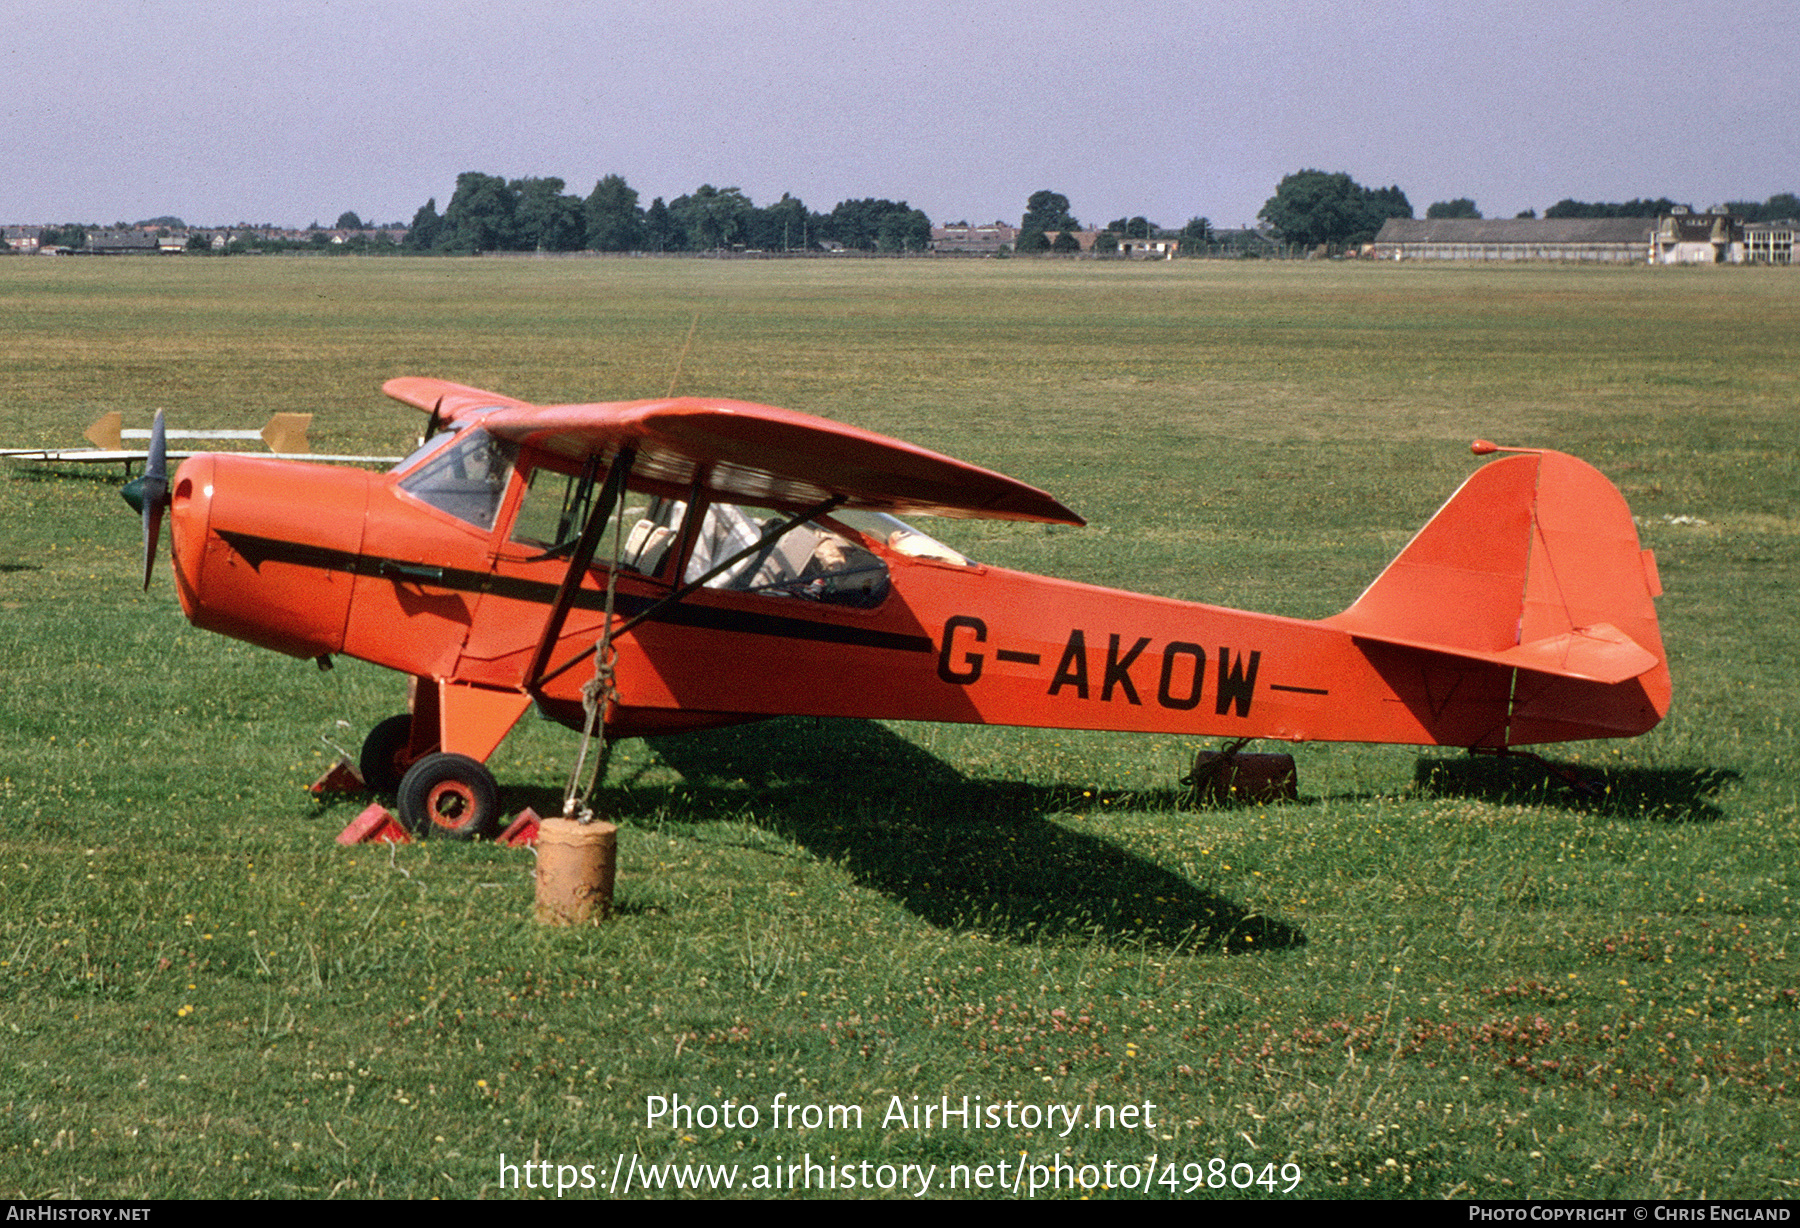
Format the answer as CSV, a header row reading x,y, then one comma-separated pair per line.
x,y
820,564
811,561
725,530
467,479
815,561
653,534
554,510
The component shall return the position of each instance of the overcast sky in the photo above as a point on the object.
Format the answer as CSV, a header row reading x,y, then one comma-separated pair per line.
x,y
290,112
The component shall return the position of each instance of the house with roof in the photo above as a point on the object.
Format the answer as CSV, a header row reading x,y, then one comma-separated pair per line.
x,y
1771,242
980,240
1698,238
1153,247
122,243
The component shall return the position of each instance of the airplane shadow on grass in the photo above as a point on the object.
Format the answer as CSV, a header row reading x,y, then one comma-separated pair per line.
x,y
1662,795
959,853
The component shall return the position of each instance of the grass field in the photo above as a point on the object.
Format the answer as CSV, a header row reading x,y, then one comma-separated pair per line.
x,y
1429,977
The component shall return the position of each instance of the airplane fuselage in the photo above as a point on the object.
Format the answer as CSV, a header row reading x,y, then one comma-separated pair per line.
x,y
316,561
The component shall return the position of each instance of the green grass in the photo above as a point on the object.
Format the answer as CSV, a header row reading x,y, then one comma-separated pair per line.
x,y
1430,977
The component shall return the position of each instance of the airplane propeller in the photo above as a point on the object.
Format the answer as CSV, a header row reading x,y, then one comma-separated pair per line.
x,y
149,494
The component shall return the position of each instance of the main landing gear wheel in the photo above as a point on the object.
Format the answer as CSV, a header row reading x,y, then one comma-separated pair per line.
x,y
449,795
386,754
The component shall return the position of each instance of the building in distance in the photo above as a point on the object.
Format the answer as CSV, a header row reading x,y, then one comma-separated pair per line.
x,y
980,240
1621,240
1678,237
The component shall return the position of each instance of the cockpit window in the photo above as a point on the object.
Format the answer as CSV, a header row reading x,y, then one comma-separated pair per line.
x,y
467,479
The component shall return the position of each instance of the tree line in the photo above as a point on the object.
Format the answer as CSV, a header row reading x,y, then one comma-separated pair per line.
x,y
488,213
1310,208
1779,207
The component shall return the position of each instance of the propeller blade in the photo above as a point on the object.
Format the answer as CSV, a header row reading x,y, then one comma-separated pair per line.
x,y
155,494
153,518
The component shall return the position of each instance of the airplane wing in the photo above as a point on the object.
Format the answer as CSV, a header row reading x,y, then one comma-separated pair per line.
x,y
84,456
75,456
744,453
449,403
87,456
285,435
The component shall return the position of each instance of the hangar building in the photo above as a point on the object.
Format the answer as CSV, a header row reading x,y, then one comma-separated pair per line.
x,y
1608,239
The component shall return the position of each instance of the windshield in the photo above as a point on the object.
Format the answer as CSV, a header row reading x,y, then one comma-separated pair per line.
x,y
426,447
467,479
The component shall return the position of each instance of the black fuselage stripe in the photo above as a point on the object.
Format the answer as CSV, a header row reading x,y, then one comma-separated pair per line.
x,y
258,550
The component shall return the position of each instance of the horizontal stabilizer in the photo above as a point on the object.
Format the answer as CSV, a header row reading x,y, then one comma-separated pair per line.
x,y
1600,653
284,433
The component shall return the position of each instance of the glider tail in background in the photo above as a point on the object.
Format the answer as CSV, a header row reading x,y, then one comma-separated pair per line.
x,y
1534,564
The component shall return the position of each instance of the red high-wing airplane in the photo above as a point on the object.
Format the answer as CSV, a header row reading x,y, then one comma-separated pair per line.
x,y
757,569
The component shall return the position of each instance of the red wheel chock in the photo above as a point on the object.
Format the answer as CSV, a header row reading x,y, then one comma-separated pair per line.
x,y
374,826
342,778
377,824
522,831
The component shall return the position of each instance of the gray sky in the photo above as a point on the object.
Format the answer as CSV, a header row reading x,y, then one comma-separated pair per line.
x,y
288,111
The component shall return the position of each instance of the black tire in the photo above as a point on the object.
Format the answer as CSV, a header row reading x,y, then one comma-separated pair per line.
x,y
450,796
386,754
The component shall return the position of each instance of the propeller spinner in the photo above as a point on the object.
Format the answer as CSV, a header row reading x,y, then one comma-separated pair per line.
x,y
149,494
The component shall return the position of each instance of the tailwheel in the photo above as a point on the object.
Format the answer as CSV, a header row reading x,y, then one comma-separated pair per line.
x,y
386,754
449,795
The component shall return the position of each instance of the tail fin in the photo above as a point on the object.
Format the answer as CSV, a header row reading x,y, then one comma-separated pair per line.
x,y
1534,564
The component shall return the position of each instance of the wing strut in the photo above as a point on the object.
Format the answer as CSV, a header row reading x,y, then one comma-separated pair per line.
x,y
761,543
578,565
